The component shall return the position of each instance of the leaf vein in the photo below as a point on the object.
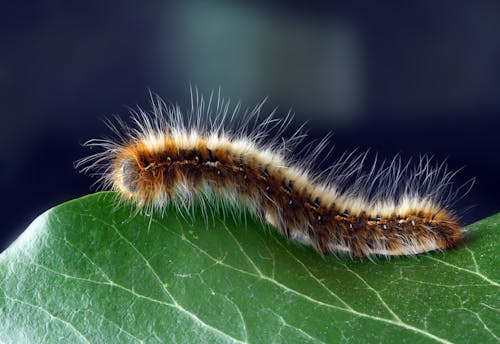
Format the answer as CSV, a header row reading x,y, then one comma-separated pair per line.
x,y
51,316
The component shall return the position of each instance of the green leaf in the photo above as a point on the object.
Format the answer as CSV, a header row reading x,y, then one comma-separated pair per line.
x,y
91,271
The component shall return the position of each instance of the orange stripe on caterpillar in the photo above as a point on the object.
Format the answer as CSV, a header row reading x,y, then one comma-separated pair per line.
x,y
390,209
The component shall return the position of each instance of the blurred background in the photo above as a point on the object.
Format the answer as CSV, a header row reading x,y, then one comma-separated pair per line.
x,y
420,77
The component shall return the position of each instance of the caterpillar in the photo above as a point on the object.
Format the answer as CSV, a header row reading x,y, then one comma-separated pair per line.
x,y
211,152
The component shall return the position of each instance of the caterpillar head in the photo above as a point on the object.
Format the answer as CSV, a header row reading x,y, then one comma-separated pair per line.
x,y
141,173
133,181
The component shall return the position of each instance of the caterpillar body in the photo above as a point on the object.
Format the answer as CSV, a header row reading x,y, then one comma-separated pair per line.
x,y
388,209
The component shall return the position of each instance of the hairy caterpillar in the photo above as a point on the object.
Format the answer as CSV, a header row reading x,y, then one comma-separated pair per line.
x,y
168,156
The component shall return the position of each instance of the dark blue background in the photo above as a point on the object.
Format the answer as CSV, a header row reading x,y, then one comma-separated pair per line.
x,y
421,77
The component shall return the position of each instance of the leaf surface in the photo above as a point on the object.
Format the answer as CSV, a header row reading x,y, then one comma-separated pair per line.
x,y
88,271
